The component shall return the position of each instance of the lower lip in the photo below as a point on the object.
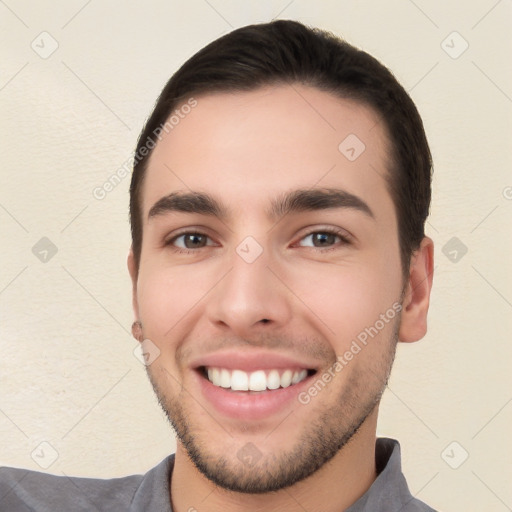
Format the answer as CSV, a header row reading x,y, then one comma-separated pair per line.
x,y
251,405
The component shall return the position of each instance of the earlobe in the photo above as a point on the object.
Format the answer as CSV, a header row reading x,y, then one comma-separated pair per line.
x,y
413,323
137,331
132,269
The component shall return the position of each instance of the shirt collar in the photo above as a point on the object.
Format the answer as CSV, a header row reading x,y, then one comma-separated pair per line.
x,y
389,491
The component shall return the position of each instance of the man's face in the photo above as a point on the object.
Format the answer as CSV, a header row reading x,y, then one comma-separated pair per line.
x,y
275,290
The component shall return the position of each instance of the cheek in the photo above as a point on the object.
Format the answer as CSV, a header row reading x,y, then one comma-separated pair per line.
x,y
349,299
172,298
165,297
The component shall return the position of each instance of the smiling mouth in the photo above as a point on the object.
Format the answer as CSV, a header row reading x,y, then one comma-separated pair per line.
x,y
259,380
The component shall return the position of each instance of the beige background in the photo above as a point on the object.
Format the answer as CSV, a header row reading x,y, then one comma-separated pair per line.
x,y
68,374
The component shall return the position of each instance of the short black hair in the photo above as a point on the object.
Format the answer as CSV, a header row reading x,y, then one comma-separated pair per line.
x,y
288,52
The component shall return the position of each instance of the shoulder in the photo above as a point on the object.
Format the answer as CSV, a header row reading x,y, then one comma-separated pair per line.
x,y
23,490
415,505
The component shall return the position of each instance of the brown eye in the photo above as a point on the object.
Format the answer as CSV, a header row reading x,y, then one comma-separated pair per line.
x,y
320,239
189,241
192,241
323,239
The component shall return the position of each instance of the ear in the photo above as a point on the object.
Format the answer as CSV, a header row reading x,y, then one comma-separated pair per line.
x,y
413,323
132,269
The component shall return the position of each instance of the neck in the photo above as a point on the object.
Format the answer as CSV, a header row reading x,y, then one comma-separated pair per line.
x,y
335,486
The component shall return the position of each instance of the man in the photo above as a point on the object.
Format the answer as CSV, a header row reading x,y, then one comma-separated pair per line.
x,y
278,202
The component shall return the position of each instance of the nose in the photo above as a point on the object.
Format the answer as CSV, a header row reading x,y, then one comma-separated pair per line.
x,y
250,297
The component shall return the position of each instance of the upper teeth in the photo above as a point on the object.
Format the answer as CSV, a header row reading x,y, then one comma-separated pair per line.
x,y
238,380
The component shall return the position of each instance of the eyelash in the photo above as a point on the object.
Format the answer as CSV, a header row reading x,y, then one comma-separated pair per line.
x,y
328,231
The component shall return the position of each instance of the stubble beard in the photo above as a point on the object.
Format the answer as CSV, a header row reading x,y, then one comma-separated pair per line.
x,y
321,439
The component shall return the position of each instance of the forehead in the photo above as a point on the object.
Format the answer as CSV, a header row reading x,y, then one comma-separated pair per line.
x,y
246,148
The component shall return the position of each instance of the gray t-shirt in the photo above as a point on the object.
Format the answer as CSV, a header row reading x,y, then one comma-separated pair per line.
x,y
23,490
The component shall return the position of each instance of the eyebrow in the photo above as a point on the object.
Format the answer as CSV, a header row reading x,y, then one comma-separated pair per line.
x,y
295,201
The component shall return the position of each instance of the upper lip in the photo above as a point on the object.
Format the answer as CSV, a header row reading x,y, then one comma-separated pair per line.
x,y
250,361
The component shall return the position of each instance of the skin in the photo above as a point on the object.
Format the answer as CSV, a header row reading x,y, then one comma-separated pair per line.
x,y
245,149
